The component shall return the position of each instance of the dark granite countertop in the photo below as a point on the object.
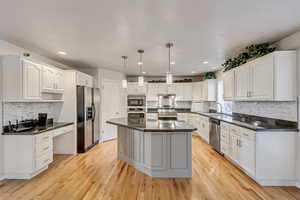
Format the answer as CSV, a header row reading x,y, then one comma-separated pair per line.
x,y
265,127
178,110
38,130
154,125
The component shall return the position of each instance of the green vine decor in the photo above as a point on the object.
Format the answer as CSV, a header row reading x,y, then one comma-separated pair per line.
x,y
210,75
252,51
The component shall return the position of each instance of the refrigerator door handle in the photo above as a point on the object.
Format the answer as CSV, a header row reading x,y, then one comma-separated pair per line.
x,y
94,111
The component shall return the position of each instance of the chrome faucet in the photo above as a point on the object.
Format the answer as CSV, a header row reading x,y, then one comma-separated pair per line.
x,y
221,107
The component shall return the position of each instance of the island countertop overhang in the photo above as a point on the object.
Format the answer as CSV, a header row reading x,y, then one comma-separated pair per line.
x,y
154,125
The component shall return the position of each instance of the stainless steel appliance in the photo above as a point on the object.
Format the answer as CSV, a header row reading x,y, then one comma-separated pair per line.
x,y
214,134
166,107
136,100
88,105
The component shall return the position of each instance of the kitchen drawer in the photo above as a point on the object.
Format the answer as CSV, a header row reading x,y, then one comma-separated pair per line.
x,y
43,147
43,160
44,137
247,134
63,130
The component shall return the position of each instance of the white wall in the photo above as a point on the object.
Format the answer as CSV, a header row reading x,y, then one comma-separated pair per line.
x,y
1,124
292,42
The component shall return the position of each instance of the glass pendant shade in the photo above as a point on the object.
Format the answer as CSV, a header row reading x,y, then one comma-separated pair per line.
x,y
169,78
140,81
124,83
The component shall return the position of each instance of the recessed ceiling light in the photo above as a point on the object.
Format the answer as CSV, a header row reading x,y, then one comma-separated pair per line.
x,y
62,53
172,62
144,72
205,62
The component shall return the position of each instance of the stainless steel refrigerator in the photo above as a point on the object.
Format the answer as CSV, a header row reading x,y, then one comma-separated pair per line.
x,y
88,127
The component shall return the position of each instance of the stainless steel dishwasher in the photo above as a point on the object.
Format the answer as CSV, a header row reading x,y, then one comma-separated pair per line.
x,y
214,134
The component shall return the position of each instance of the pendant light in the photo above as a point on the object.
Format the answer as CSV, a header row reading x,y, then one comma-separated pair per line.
x,y
169,76
124,82
140,63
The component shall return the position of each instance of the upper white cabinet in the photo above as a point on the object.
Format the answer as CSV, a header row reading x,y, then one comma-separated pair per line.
x,y
133,88
21,79
242,82
83,79
228,85
269,78
24,80
205,90
31,80
52,80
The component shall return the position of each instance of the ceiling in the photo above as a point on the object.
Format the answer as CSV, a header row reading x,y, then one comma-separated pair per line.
x,y
96,33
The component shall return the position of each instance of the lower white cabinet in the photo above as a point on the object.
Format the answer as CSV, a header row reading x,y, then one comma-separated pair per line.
x,y
267,157
203,127
25,156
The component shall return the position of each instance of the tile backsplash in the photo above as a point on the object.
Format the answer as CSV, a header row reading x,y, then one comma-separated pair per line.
x,y
269,109
14,111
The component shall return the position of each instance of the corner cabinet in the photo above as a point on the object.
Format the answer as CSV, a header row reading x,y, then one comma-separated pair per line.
x,y
21,79
254,153
269,78
25,80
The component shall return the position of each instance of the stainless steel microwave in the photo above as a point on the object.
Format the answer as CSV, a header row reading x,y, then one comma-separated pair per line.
x,y
136,100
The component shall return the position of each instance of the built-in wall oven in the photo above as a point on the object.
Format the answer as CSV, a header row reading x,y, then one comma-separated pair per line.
x,y
136,100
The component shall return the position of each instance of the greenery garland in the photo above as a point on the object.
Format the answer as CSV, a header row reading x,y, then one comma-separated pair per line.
x,y
252,51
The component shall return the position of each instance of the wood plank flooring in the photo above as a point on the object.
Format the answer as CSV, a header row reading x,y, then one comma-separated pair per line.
x,y
99,175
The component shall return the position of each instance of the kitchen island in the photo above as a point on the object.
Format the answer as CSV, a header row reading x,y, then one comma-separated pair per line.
x,y
158,148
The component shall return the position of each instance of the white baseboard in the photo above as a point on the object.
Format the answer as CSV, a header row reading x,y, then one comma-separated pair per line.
x,y
298,184
1,177
276,182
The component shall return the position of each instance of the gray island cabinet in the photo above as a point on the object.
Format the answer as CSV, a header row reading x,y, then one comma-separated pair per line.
x,y
157,148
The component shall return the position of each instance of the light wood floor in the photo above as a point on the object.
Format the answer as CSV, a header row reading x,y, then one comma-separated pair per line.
x,y
99,175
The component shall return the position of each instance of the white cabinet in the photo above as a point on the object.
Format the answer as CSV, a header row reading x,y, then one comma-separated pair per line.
x,y
242,82
269,78
229,85
133,89
239,145
186,92
31,80
205,90
246,146
83,79
152,116
25,80
21,79
52,80
209,90
268,157
203,127
197,91
27,155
